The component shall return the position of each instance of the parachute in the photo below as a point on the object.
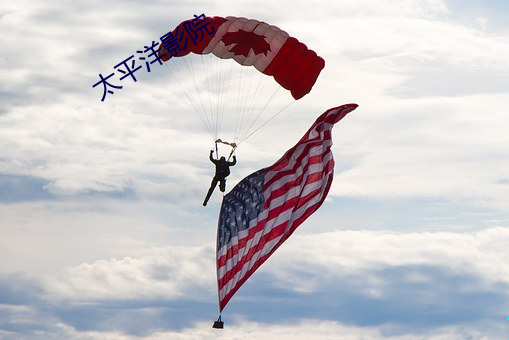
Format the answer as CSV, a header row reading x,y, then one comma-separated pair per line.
x,y
204,57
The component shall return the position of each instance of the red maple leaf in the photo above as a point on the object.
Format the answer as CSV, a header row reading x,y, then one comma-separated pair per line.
x,y
246,41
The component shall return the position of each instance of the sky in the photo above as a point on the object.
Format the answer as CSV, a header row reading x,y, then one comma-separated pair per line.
x,y
102,231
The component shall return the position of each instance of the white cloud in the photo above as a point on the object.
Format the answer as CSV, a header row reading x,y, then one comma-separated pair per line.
x,y
445,147
44,237
307,329
339,253
437,274
317,329
162,273
307,263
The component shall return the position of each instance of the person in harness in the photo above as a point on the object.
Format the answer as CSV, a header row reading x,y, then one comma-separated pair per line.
x,y
222,171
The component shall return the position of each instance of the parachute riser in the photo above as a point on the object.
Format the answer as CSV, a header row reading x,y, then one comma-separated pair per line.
x,y
231,153
233,145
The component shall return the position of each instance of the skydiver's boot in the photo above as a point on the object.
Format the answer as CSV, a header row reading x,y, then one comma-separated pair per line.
x,y
209,193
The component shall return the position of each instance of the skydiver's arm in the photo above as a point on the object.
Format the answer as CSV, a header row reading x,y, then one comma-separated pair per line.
x,y
234,161
210,156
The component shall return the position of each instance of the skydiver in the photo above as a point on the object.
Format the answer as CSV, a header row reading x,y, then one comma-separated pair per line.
x,y
222,171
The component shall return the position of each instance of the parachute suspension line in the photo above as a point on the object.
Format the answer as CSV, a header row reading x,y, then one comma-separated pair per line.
x,y
205,66
240,103
217,71
236,129
244,113
251,96
250,117
224,69
260,112
249,101
191,70
268,121
221,80
213,86
234,146
213,69
249,134
195,108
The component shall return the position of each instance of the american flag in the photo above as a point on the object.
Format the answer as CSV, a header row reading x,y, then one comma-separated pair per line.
x,y
266,207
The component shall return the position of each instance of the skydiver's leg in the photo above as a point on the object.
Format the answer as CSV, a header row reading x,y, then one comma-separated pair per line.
x,y
211,190
222,184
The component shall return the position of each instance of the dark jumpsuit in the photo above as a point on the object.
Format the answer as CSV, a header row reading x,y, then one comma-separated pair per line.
x,y
222,171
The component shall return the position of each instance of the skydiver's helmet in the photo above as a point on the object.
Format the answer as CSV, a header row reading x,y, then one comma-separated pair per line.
x,y
222,159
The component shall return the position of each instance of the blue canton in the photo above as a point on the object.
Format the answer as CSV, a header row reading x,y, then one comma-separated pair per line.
x,y
242,204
